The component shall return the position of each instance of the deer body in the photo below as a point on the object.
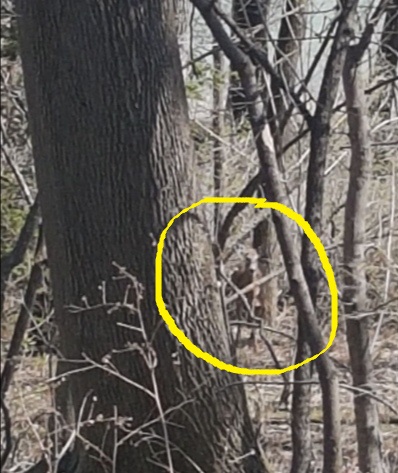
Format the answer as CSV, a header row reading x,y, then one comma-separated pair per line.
x,y
247,306
261,301
245,274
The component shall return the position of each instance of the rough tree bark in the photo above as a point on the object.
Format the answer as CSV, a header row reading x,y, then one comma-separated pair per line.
x,y
354,294
113,159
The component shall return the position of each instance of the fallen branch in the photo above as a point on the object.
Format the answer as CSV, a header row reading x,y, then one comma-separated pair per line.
x,y
17,254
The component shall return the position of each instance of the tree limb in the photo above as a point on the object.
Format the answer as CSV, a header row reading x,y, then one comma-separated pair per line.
x,y
17,254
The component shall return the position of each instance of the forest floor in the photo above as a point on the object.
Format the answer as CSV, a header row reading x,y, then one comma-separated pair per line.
x,y
30,401
273,417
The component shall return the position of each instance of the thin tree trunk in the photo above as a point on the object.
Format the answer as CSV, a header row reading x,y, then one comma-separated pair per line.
x,y
288,53
113,160
354,294
319,145
248,15
287,56
219,100
273,190
389,58
389,38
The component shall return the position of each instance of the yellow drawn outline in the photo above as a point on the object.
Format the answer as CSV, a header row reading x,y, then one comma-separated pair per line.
x,y
263,204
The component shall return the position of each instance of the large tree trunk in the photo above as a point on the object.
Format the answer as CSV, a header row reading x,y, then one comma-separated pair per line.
x,y
113,159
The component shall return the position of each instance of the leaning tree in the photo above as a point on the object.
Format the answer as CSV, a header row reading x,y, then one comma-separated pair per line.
x,y
113,158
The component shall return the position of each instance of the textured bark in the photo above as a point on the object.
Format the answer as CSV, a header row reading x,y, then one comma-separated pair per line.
x,y
354,294
113,160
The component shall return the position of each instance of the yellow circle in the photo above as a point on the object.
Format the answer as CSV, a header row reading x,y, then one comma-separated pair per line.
x,y
259,203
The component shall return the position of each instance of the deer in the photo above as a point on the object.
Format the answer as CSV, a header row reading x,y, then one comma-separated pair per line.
x,y
247,303
264,242
260,301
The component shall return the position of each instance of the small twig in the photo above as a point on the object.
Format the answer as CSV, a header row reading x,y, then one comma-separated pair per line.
x,y
338,107
268,344
365,392
360,48
248,191
253,285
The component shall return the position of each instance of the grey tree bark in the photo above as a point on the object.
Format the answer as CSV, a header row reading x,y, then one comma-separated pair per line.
x,y
319,145
354,294
113,158
288,48
251,17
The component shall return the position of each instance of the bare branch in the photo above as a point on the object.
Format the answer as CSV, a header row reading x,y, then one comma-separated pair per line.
x,y
15,169
17,254
354,293
274,191
248,191
260,56
7,433
21,326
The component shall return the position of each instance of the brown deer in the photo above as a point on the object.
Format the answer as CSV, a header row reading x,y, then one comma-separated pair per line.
x,y
264,242
261,300
247,304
